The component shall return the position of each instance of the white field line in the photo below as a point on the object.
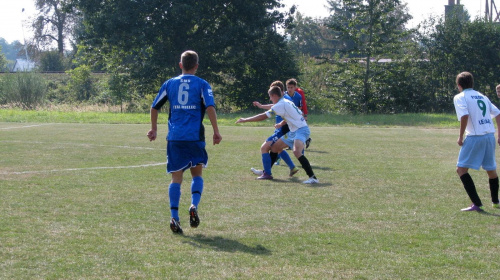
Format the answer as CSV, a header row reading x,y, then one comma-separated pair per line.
x,y
83,169
81,144
25,126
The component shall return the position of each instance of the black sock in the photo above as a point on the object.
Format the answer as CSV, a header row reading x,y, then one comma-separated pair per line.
x,y
274,157
494,190
470,188
306,166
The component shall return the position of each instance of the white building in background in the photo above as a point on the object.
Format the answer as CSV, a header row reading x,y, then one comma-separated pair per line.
x,y
23,65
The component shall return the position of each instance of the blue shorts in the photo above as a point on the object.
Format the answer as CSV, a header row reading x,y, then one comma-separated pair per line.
x,y
183,155
478,151
278,133
301,134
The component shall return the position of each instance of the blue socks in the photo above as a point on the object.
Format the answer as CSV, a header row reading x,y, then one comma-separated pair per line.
x,y
286,158
196,190
174,193
266,163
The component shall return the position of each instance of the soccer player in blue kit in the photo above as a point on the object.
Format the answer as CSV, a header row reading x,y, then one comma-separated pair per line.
x,y
189,98
475,111
291,90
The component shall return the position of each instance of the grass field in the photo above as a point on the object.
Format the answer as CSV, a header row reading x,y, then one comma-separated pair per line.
x,y
82,115
89,201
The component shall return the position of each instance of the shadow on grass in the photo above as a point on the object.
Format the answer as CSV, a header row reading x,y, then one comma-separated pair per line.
x,y
316,152
489,214
319,185
297,181
219,243
315,167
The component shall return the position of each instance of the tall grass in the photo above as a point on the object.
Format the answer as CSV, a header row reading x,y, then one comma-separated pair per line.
x,y
25,89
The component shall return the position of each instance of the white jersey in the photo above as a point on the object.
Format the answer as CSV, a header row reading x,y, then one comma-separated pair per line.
x,y
480,110
289,112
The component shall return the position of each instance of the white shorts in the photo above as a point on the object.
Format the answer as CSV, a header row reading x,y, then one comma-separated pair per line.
x,y
478,151
301,134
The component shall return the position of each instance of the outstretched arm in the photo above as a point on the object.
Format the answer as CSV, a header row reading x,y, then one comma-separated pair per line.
x,y
212,115
262,106
256,118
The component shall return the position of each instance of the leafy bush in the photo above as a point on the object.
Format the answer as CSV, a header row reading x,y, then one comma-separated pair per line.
x,y
23,89
58,92
81,83
3,60
52,61
119,88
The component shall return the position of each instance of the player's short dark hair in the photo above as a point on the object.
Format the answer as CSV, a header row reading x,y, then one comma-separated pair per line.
x,y
278,84
291,81
465,80
189,60
275,90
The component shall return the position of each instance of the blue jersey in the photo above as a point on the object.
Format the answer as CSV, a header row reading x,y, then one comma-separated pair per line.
x,y
188,96
296,99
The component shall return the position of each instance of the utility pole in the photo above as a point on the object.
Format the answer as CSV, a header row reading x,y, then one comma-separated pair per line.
x,y
24,38
491,12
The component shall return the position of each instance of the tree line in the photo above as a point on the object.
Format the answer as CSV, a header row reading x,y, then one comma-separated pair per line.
x,y
360,59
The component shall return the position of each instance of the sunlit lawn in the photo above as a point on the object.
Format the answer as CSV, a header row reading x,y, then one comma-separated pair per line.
x,y
89,201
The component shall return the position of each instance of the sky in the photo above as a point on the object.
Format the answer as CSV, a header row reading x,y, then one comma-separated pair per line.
x,y
419,9
13,21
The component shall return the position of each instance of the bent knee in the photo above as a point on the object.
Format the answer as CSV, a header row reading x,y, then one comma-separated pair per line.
x,y
266,147
461,171
297,154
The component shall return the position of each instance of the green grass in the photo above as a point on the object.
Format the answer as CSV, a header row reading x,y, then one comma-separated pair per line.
x,y
76,116
75,205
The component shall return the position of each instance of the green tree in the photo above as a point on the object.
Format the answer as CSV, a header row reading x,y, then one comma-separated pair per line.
x,y
373,29
305,35
239,47
119,88
452,46
51,61
54,23
312,36
13,50
81,84
3,60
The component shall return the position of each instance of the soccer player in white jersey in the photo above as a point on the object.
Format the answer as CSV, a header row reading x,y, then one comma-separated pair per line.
x,y
299,130
475,112
265,149
189,97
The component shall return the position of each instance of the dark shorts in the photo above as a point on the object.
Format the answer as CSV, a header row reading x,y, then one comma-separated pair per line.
x,y
278,133
184,155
